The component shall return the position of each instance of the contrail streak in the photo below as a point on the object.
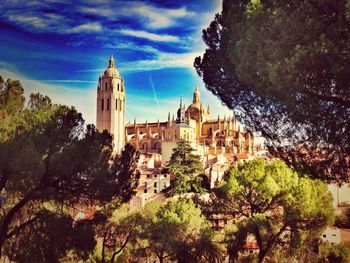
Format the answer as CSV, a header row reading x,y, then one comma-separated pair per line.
x,y
154,92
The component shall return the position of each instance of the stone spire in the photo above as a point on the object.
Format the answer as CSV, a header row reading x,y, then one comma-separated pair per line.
x,y
196,95
219,123
111,62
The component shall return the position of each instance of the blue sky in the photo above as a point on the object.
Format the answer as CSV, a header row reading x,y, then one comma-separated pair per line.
x,y
59,49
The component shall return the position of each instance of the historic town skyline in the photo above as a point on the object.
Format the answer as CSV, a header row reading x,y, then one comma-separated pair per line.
x,y
61,50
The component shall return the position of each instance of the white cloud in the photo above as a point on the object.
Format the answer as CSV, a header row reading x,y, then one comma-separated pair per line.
x,y
66,81
88,27
163,60
33,21
99,10
155,17
149,36
151,16
131,46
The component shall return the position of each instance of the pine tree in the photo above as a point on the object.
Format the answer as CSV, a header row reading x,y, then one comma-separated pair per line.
x,y
187,169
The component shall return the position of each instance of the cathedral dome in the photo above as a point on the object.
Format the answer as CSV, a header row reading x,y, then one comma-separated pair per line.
x,y
194,111
196,105
195,108
111,71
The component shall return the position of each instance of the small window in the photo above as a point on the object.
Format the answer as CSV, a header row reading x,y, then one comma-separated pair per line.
x,y
148,176
102,104
155,176
145,184
145,191
155,184
107,104
138,175
324,235
116,104
334,235
120,104
118,87
155,191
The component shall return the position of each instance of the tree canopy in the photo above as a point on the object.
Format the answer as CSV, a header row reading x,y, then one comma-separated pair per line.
x,y
187,169
283,67
51,162
275,205
180,231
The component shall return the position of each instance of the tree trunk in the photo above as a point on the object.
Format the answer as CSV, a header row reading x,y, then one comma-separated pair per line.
x,y
8,219
261,256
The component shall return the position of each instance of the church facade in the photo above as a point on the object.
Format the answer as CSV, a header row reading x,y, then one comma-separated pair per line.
x,y
208,135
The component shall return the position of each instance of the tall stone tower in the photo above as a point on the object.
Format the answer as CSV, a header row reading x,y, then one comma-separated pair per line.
x,y
111,105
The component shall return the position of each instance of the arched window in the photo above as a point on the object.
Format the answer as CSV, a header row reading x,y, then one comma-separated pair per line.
x,y
102,104
118,87
107,104
157,145
116,104
121,104
122,89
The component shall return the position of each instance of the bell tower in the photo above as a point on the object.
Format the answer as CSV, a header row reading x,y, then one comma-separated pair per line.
x,y
110,114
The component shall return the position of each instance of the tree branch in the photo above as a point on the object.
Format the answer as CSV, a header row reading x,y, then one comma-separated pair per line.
x,y
20,227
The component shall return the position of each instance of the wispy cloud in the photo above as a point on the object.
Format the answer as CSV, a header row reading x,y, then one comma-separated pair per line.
x,y
88,27
155,17
163,60
66,81
149,36
106,11
130,46
33,21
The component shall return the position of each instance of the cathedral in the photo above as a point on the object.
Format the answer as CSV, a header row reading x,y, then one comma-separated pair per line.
x,y
207,135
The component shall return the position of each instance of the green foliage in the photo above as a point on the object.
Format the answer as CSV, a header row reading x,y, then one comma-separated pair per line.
x,y
120,233
49,238
179,230
282,66
334,253
276,205
11,102
187,168
50,163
